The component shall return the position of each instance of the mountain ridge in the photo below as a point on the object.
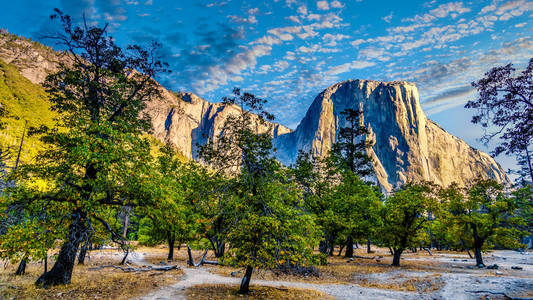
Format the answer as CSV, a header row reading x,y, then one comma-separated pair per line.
x,y
407,145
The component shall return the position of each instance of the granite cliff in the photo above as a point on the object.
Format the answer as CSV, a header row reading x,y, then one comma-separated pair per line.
x,y
407,145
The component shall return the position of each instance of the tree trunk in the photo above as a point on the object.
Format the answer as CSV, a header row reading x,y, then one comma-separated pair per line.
x,y
245,283
391,251
219,247
221,250
368,246
21,270
349,247
61,272
340,250
331,244
469,254
323,247
83,253
479,258
170,248
125,256
126,224
46,263
396,258
478,244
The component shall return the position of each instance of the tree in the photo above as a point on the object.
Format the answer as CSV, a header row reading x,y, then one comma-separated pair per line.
x,y
97,157
506,102
485,215
404,218
270,228
316,178
358,204
172,217
352,144
350,152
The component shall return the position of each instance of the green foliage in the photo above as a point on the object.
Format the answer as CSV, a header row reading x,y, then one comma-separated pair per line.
x,y
357,205
484,216
97,159
171,217
269,225
350,150
24,102
405,217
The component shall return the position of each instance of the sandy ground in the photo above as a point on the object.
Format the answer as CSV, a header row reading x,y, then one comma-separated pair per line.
x,y
455,285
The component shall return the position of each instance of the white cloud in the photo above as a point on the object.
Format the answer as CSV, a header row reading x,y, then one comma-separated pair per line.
x,y
388,17
337,4
294,19
332,39
356,64
440,12
302,10
322,5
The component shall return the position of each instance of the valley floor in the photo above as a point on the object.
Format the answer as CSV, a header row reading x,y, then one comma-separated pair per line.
x,y
443,275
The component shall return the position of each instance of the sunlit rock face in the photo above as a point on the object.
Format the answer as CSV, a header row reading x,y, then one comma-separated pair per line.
x,y
186,120
407,145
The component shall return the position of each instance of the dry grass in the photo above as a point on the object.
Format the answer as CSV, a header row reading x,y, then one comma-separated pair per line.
x,y
105,283
401,282
215,292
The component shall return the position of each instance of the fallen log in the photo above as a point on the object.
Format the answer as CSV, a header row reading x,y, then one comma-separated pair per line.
x,y
364,257
191,262
132,269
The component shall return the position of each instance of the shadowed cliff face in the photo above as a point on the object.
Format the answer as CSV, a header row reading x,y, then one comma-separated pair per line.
x,y
407,145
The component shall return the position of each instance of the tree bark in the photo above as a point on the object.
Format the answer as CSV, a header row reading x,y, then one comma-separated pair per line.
x,y
126,224
478,244
83,253
218,246
396,258
125,256
469,254
245,283
61,272
340,250
170,248
368,246
479,258
349,247
21,270
46,263
323,247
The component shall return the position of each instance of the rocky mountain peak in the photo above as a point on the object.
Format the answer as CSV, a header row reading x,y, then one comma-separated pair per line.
x,y
407,145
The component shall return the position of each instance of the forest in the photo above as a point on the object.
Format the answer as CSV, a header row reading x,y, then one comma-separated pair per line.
x,y
101,180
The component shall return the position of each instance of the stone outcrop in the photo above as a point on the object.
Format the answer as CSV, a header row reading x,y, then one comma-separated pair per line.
x,y
407,145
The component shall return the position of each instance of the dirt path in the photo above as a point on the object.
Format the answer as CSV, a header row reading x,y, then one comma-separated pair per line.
x,y
198,276
456,286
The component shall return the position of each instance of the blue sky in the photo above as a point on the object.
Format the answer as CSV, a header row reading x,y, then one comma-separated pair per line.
x,y
290,50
